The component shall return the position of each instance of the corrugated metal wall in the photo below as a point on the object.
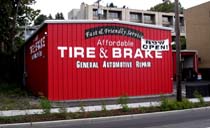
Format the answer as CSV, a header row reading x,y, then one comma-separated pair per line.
x,y
66,82
36,63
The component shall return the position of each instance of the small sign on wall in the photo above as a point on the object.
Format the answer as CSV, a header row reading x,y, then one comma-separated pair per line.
x,y
155,45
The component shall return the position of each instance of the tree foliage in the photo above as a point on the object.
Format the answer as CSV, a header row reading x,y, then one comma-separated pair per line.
x,y
50,17
182,42
14,14
40,19
166,6
111,5
59,16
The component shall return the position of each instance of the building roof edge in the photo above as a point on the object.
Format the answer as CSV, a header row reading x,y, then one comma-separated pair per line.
x,y
97,21
107,21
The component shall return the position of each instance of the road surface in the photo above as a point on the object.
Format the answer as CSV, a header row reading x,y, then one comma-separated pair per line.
x,y
195,118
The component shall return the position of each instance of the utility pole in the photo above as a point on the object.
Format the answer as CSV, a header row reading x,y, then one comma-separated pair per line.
x,y
178,57
98,1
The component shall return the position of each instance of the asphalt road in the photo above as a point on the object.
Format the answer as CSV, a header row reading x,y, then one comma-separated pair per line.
x,y
196,118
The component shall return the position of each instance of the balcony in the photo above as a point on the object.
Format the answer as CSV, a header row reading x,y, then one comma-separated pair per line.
x,y
115,15
167,24
136,17
167,21
149,19
136,20
149,22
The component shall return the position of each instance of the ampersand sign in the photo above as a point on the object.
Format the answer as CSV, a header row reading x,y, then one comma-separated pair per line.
x,y
103,53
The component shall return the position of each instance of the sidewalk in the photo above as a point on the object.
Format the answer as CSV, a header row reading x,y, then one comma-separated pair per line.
x,y
111,104
88,108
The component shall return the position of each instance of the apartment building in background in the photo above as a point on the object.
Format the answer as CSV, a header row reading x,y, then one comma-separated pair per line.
x,y
198,34
90,12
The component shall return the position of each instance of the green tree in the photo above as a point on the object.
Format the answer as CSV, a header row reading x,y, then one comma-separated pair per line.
x,y
182,41
40,19
166,6
59,16
111,5
50,17
14,14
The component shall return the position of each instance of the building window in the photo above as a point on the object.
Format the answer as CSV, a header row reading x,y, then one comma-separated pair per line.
x,y
95,12
165,19
114,15
149,18
181,20
136,17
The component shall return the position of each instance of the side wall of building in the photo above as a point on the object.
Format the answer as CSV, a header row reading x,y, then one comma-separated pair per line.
x,y
36,61
198,33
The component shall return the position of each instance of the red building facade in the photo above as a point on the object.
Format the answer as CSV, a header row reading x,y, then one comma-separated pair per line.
x,y
73,60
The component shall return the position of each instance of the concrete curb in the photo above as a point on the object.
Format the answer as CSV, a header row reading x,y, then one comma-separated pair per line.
x,y
75,109
87,108
94,120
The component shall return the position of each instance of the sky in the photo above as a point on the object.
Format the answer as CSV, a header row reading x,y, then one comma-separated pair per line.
x,y
53,6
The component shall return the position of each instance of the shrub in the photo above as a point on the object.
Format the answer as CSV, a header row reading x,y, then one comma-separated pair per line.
x,y
142,109
171,104
12,90
103,107
125,108
45,105
167,104
200,98
123,101
81,109
186,104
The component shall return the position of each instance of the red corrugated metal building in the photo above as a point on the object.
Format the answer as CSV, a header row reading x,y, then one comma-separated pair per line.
x,y
74,60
